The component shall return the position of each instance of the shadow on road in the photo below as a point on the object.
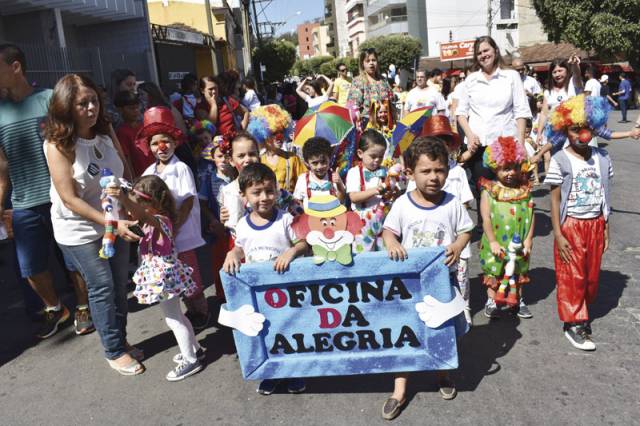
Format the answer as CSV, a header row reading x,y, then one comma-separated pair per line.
x,y
612,285
543,225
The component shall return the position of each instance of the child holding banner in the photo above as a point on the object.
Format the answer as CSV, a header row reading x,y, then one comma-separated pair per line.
x,y
264,235
426,217
320,179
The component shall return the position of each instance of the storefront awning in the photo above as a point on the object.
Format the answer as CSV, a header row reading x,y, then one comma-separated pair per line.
x,y
86,10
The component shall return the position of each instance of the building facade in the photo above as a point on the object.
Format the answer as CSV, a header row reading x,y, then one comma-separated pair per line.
x,y
305,31
76,37
356,25
409,17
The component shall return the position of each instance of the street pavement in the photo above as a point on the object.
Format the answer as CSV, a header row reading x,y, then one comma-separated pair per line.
x,y
512,371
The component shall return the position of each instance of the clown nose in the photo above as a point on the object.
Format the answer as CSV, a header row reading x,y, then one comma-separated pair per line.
x,y
162,146
584,135
328,233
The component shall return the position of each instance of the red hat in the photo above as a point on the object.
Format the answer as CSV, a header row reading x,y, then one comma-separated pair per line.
x,y
439,126
159,120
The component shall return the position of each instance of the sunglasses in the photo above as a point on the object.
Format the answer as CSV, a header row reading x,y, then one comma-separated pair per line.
x,y
342,70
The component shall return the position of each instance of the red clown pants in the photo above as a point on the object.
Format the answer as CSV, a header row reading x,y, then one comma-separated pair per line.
x,y
577,281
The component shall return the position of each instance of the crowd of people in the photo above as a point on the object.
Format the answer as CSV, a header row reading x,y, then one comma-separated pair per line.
x,y
204,176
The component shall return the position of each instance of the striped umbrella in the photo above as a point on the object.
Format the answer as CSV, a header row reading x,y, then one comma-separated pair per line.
x,y
328,120
410,127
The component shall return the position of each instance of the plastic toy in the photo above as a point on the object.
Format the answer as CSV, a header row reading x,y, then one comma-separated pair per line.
x,y
110,208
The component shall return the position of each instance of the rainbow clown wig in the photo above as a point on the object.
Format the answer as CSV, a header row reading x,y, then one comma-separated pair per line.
x,y
503,152
581,111
200,125
269,122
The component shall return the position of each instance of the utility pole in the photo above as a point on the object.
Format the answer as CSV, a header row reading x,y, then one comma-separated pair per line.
x,y
246,38
255,20
489,18
214,59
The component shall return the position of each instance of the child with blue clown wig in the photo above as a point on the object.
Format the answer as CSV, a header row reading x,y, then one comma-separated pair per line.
x,y
580,177
271,125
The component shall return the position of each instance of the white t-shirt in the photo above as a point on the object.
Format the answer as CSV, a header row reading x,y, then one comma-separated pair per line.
x,y
316,187
531,85
419,226
179,179
250,100
267,242
593,86
586,199
313,102
420,98
353,185
232,200
91,156
556,96
457,184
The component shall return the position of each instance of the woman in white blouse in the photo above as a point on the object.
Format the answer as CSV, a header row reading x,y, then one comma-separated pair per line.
x,y
492,103
78,148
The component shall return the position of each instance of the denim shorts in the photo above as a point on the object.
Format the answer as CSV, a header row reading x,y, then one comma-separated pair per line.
x,y
33,235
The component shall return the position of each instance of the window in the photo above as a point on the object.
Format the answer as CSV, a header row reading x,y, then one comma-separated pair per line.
x,y
507,9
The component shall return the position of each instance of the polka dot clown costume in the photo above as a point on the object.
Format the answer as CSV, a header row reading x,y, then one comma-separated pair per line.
x,y
511,212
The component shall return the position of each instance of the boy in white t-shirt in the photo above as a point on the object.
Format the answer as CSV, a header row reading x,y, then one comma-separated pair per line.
x,y
264,235
425,217
457,184
319,179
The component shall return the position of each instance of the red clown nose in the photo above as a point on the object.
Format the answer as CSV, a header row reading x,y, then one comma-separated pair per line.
x,y
162,146
328,233
585,135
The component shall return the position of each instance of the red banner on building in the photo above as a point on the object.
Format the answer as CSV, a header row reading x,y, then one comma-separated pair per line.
x,y
456,50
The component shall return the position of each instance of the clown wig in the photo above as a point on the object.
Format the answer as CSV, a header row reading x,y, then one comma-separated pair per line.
x,y
200,125
581,111
269,122
503,152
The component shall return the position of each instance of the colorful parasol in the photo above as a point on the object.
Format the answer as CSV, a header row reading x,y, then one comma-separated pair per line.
x,y
328,120
410,127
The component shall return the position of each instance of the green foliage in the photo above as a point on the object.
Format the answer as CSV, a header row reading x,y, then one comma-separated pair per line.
x,y
323,65
400,50
291,36
278,56
610,27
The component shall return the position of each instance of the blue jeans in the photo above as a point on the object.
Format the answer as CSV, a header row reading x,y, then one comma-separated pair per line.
x,y
107,287
623,108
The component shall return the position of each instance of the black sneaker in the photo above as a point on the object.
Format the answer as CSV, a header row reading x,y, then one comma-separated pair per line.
x,y
587,328
198,321
491,309
82,322
296,386
523,310
579,338
201,354
51,321
447,388
184,370
267,386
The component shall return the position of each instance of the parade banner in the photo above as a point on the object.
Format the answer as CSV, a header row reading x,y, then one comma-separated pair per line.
x,y
456,50
373,316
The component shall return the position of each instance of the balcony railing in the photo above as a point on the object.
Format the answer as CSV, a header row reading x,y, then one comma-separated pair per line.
x,y
389,20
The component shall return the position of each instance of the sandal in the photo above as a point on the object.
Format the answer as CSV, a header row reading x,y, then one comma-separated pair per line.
x,y
132,369
392,408
135,353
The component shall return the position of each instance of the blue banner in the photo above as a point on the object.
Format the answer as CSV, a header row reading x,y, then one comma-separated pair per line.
x,y
330,319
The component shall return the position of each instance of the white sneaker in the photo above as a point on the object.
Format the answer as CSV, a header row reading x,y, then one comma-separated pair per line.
x,y
467,316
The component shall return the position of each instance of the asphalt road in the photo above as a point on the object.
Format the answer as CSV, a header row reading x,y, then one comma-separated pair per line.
x,y
512,371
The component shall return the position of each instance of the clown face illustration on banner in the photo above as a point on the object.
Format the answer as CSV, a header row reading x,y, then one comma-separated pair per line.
x,y
328,228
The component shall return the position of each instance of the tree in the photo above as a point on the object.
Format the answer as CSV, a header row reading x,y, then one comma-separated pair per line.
x,y
323,65
291,36
400,50
610,27
277,56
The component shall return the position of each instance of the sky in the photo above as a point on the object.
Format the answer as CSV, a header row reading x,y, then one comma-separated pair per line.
x,y
285,10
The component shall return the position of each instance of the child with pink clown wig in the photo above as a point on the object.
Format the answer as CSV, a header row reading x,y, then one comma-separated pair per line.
x,y
508,221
